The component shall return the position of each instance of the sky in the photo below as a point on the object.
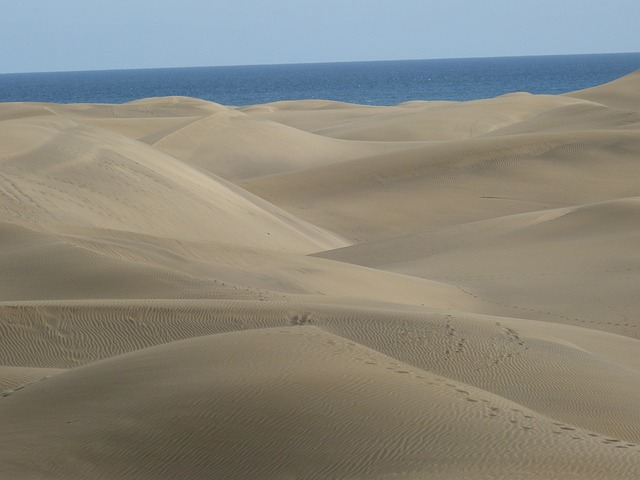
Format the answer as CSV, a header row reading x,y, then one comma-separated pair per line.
x,y
71,35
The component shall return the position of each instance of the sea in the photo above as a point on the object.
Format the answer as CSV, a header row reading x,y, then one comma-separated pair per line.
x,y
370,83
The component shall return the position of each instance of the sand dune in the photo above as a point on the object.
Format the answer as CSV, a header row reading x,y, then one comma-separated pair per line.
x,y
237,146
301,415
411,121
12,378
575,265
315,289
570,372
449,183
621,93
82,176
43,267
448,121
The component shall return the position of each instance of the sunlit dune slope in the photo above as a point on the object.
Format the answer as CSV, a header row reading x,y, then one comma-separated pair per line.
x,y
56,173
318,290
303,403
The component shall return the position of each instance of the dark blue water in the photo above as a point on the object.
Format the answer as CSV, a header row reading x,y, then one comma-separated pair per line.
x,y
375,83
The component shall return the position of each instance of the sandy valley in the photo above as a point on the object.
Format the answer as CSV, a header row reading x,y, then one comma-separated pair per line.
x,y
321,290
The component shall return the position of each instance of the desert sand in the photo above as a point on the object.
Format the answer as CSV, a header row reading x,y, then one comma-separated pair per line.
x,y
321,290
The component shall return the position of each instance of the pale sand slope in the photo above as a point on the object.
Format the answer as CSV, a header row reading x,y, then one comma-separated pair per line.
x,y
106,264
469,310
58,174
452,182
237,146
302,415
575,265
412,121
621,93
565,372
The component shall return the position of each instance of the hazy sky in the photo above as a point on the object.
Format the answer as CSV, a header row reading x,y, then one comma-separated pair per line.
x,y
58,35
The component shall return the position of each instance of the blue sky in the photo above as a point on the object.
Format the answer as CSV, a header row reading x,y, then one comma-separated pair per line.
x,y
62,35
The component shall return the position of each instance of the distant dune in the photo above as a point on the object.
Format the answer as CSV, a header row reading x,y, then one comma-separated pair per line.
x,y
322,290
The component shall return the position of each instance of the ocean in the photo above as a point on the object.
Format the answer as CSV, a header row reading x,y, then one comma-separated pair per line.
x,y
373,83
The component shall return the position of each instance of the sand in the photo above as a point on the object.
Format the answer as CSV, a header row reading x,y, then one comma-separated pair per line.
x,y
315,290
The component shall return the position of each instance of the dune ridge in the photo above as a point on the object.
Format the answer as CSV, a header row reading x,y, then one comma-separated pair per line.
x,y
315,289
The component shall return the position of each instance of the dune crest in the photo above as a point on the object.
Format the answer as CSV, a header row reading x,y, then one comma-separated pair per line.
x,y
315,289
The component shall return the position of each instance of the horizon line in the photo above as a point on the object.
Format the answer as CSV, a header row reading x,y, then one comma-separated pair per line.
x,y
316,63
